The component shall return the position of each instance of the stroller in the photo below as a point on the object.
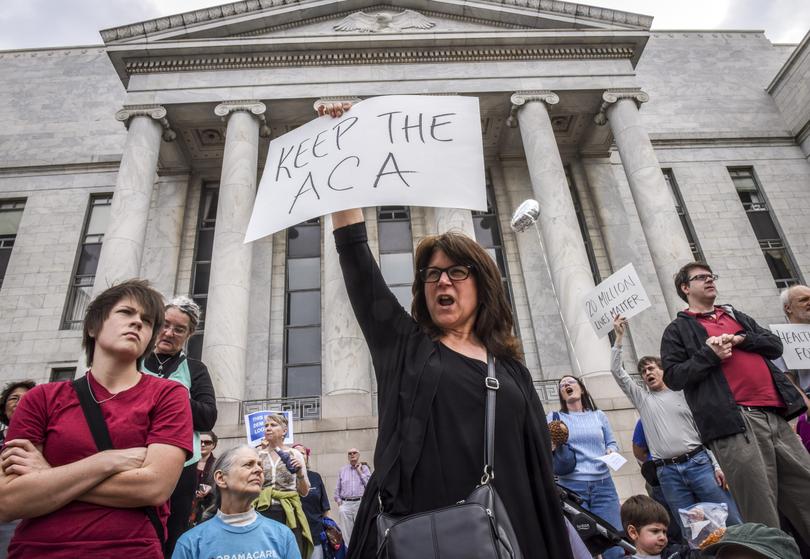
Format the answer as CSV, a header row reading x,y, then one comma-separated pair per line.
x,y
597,533
332,540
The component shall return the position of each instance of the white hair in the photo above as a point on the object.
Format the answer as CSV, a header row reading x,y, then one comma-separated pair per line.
x,y
188,307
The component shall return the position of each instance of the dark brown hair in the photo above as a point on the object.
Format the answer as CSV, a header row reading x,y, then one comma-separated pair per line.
x,y
99,310
646,360
640,510
682,276
493,321
587,402
11,387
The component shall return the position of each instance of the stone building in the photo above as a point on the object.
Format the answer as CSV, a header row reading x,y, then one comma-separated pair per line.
x,y
140,157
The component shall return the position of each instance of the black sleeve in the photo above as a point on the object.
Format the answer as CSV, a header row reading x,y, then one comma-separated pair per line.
x,y
203,398
385,324
758,339
683,368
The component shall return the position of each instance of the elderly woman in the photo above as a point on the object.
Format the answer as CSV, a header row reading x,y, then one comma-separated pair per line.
x,y
430,370
236,530
169,361
285,482
590,436
74,500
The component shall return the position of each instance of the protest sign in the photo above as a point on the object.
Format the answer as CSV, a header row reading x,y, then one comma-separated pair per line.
x,y
620,294
393,150
796,343
254,426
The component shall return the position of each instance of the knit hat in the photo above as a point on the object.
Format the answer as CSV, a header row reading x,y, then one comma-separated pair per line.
x,y
770,542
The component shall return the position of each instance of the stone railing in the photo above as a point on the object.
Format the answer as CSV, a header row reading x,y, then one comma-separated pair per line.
x,y
302,408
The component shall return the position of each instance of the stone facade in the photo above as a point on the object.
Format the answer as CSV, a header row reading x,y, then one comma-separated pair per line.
x,y
567,92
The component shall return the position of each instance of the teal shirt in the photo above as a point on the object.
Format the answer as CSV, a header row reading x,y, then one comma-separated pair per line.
x,y
261,539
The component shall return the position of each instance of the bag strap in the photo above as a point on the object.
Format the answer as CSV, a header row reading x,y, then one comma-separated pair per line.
x,y
492,385
101,436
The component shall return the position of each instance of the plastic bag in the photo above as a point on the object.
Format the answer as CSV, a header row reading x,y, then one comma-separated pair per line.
x,y
704,523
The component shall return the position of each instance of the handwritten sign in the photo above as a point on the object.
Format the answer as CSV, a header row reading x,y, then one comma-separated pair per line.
x,y
254,426
796,342
393,150
620,294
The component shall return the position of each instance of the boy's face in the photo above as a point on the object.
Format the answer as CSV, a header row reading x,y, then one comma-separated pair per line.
x,y
651,539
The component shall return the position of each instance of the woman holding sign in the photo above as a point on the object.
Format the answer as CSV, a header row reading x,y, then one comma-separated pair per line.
x,y
285,482
430,368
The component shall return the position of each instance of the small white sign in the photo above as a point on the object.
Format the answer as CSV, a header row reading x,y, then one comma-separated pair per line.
x,y
620,294
614,460
411,150
796,342
254,426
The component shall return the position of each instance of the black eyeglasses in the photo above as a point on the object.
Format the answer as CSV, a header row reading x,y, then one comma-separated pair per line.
x,y
459,272
704,277
206,443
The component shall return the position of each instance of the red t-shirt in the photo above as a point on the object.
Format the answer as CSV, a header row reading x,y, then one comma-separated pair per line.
x,y
747,373
153,411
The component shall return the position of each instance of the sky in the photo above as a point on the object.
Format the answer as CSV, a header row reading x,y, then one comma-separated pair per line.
x,y
53,23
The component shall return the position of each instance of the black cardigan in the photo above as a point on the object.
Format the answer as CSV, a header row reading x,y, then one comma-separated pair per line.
x,y
691,365
408,369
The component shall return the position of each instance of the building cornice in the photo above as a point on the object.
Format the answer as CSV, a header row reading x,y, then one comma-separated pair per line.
x,y
195,63
189,20
787,67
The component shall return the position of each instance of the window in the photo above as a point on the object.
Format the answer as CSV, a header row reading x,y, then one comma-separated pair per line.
x,y
780,262
59,374
583,227
686,223
396,251
10,214
302,318
488,234
81,288
201,265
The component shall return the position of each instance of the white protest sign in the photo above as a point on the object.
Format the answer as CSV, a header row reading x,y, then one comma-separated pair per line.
x,y
254,426
621,293
393,150
796,342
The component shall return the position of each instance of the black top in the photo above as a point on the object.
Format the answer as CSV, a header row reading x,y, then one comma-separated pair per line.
x,y
203,398
315,504
430,442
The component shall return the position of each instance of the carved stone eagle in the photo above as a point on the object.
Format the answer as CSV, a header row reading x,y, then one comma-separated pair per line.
x,y
383,22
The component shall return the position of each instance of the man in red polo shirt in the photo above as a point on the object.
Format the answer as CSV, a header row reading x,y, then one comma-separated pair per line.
x,y
741,402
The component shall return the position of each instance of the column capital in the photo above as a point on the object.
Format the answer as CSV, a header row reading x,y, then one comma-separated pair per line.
x,y
255,108
610,96
520,98
156,112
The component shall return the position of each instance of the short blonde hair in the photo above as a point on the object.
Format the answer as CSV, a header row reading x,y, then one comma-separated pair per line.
x,y
278,418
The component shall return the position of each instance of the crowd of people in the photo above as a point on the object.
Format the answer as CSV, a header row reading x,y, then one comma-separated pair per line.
x,y
121,460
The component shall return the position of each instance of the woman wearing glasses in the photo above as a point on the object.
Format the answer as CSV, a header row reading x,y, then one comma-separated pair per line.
x,y
203,497
169,361
430,367
590,436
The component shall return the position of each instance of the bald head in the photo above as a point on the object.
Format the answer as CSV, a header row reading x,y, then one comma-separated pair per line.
x,y
796,304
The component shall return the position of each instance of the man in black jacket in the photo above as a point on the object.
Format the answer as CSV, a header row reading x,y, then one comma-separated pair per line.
x,y
741,402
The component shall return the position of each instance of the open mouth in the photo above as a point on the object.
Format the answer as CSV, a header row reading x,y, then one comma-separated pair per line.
x,y
445,300
569,390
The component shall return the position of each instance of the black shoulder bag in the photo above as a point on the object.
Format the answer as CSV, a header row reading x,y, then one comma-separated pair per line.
x,y
475,528
101,435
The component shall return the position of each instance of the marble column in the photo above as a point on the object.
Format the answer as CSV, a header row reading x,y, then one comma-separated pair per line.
x,y
345,370
564,249
623,242
346,363
226,322
656,210
123,246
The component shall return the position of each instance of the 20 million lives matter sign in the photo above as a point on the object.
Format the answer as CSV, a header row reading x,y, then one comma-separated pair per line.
x,y
392,150
620,294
